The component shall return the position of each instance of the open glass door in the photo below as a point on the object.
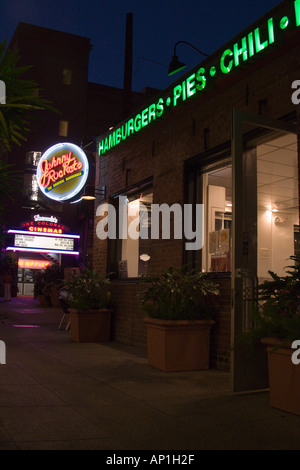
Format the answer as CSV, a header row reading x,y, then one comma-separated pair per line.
x,y
265,225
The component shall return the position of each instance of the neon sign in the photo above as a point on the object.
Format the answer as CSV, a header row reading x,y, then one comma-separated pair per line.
x,y
247,48
39,218
62,171
32,228
33,264
44,224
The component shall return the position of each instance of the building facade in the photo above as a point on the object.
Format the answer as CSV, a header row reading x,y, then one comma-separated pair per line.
x,y
58,62
225,136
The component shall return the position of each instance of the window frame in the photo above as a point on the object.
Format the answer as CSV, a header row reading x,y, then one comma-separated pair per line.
x,y
114,247
194,168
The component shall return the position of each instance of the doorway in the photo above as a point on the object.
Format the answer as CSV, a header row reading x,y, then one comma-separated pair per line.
x,y
265,225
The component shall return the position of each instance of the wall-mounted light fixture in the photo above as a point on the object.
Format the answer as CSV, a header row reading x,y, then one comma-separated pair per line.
x,y
91,192
175,64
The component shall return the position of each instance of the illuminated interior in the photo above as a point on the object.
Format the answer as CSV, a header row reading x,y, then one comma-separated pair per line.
x,y
136,251
278,204
277,209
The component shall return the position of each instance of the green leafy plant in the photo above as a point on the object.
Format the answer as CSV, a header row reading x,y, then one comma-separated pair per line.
x,y
39,285
23,103
9,181
87,291
180,295
46,279
23,100
53,274
278,312
8,263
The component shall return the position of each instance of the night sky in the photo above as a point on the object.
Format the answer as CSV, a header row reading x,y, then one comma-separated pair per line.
x,y
157,26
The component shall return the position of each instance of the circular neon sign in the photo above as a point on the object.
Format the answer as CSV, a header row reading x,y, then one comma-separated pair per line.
x,y
62,171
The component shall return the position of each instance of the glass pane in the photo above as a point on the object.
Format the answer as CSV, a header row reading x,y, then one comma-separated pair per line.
x,y
67,76
30,188
217,198
136,251
278,204
63,128
32,158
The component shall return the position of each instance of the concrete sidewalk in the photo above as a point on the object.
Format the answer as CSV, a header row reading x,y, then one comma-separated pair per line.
x,y
56,394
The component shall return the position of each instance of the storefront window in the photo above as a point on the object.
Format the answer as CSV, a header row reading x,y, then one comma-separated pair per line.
x,y
277,204
31,188
130,253
26,279
217,200
63,128
32,158
67,76
136,251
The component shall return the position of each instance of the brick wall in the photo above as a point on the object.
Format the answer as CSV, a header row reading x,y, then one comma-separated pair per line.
x,y
220,333
128,326
160,150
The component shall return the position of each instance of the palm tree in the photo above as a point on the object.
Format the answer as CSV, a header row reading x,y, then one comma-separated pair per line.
x,y
9,180
22,105
22,101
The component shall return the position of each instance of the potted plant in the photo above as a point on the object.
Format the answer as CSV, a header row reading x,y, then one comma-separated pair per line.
x,y
277,325
39,290
53,277
88,295
179,319
7,263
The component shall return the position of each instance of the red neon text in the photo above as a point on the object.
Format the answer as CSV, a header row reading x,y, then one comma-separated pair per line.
x,y
33,264
51,173
45,229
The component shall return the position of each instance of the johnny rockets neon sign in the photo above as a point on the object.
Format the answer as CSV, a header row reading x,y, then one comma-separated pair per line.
x,y
247,48
59,168
62,171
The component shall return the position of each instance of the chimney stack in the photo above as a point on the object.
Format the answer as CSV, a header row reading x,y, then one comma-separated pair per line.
x,y
128,65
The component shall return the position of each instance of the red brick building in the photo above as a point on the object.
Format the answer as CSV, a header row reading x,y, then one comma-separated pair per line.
x,y
223,135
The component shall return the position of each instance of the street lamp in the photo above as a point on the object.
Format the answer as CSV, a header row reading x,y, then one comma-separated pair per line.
x,y
175,64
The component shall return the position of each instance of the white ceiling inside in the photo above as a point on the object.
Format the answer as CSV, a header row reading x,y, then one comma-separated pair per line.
x,y
277,175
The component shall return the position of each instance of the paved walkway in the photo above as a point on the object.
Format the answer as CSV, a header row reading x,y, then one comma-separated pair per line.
x,y
56,394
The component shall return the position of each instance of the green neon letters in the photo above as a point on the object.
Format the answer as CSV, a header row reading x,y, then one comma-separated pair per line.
x,y
297,12
132,126
232,57
226,68
243,51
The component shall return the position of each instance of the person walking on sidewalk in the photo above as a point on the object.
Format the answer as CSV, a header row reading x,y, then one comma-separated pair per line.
x,y
7,286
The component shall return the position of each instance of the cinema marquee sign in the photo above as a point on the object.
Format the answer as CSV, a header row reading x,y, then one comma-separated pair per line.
x,y
247,48
40,242
45,224
62,171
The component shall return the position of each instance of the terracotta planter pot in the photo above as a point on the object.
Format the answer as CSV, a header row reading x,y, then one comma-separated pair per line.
x,y
90,326
178,345
284,377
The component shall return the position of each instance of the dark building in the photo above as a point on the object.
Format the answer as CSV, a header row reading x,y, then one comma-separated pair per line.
x,y
59,64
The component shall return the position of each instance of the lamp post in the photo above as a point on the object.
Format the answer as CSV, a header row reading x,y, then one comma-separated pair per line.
x,y
175,64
